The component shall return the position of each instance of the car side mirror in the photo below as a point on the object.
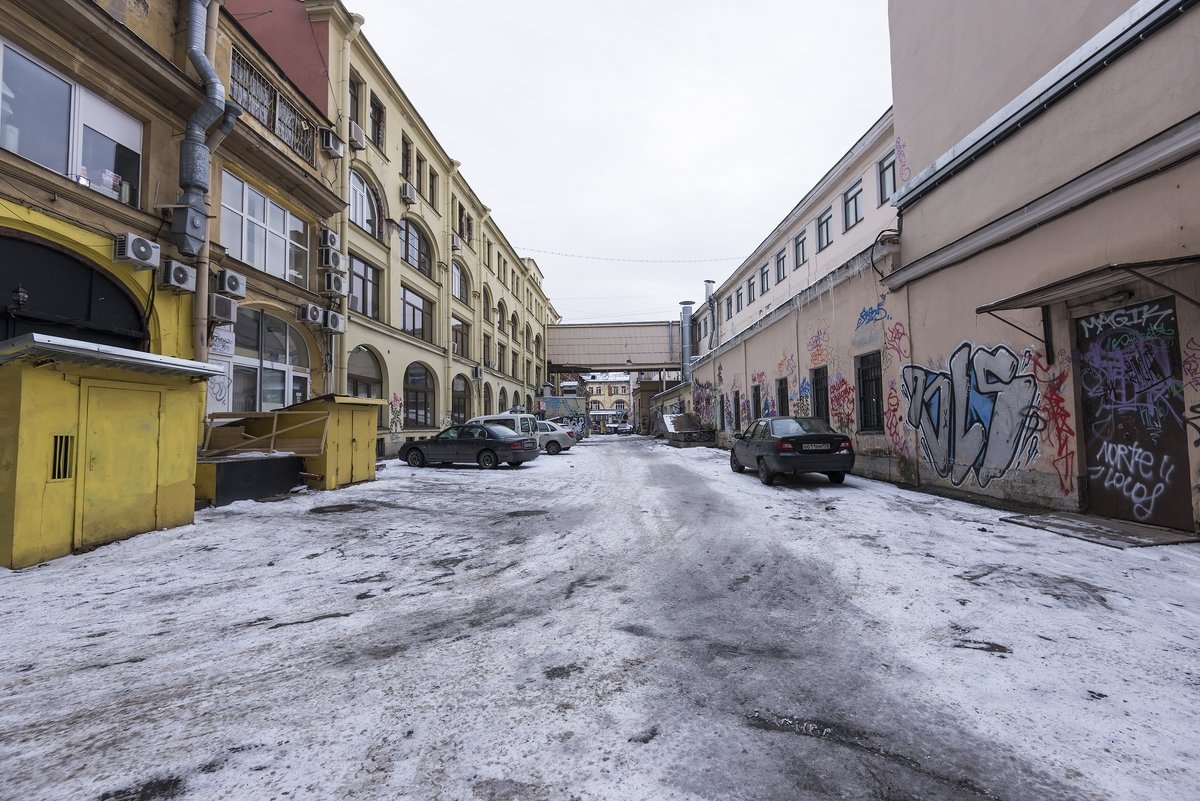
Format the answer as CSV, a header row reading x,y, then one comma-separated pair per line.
x,y
737,434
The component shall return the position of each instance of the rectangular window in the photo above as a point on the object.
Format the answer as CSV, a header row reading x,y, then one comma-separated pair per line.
x,y
501,357
261,233
356,87
820,393
62,464
750,290
764,276
852,206
756,400
887,177
487,349
458,337
801,248
721,408
378,117
433,188
418,315
65,128
869,374
419,178
406,158
737,410
729,308
824,229
740,300
364,288
782,407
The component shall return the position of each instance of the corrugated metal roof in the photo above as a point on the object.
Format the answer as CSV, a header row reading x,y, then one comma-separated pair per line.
x,y
74,351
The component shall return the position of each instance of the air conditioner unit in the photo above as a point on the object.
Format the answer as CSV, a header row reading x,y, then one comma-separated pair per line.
x,y
491,363
477,371
222,310
310,313
330,259
358,139
231,284
355,303
331,144
334,322
139,250
328,238
455,242
455,348
408,193
333,285
177,276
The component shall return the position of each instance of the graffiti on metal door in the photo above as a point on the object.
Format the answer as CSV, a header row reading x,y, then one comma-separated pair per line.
x,y
1134,425
978,417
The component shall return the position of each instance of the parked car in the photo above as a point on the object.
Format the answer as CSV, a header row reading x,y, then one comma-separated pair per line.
x,y
792,445
624,428
485,445
554,438
521,422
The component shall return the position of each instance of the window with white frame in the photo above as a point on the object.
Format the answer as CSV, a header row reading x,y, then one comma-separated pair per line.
x,y
887,177
270,363
750,289
62,126
364,207
764,277
801,248
780,266
740,300
729,308
261,233
824,229
459,285
852,206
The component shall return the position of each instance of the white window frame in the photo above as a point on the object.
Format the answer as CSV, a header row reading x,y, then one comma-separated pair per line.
x,y
275,226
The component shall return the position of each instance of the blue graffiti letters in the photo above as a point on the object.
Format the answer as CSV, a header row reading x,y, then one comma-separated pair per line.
x,y
978,417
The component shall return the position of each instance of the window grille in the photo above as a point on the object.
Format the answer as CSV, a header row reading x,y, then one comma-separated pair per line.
x,y
260,100
63,464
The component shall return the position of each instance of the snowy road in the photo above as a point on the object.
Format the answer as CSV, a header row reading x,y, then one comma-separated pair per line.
x,y
622,621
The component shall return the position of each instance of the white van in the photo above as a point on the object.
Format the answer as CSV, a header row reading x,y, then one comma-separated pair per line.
x,y
522,423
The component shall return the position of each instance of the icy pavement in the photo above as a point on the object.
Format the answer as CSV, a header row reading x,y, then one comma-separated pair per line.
x,y
622,621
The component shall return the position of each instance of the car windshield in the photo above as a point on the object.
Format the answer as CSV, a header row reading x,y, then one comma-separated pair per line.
x,y
791,426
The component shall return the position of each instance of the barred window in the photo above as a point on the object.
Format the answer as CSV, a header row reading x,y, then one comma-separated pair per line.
x,y
255,94
870,392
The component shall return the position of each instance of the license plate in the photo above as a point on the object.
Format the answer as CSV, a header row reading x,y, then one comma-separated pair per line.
x,y
814,446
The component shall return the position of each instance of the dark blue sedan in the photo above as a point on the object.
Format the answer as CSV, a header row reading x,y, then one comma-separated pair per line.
x,y
792,445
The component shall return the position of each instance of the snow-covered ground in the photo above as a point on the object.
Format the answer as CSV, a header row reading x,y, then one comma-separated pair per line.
x,y
623,621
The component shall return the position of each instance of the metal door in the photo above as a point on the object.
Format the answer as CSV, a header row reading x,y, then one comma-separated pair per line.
x,y
120,465
1131,393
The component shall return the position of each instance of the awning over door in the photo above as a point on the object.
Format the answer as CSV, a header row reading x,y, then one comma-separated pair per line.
x,y
1091,282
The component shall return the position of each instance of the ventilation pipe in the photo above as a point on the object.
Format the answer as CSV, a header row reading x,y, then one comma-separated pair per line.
x,y
189,223
685,327
711,302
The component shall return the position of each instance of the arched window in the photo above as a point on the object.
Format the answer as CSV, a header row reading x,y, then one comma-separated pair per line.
x,y
503,404
418,396
619,406
459,284
270,362
501,315
414,247
512,326
487,400
364,378
516,401
537,344
364,205
487,302
460,399
528,338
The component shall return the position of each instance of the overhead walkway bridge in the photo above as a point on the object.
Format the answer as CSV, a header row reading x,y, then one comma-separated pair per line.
x,y
614,347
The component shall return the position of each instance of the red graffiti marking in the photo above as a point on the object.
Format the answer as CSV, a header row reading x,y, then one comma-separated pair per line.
x,y
1053,409
818,346
892,422
841,404
894,342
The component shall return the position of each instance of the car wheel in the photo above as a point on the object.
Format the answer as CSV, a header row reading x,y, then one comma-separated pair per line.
x,y
765,474
734,464
487,460
836,477
553,447
415,458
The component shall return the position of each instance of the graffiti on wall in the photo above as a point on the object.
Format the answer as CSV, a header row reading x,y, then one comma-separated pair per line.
x,y
818,346
396,419
893,423
979,417
801,399
873,314
895,341
1191,363
1057,431
786,365
702,401
1131,387
841,404
902,170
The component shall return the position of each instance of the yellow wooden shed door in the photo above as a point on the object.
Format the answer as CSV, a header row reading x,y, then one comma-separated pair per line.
x,y
120,477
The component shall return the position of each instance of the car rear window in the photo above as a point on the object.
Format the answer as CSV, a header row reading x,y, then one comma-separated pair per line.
x,y
790,426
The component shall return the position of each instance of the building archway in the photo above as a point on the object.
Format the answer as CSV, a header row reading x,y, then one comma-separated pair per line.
x,y
47,291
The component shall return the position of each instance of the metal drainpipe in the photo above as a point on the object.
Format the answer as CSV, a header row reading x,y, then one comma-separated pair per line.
x,y
685,333
337,380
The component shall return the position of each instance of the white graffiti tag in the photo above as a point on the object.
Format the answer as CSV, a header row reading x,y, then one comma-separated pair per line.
x,y
1140,475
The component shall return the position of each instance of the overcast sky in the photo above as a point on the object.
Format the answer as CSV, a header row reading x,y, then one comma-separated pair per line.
x,y
656,142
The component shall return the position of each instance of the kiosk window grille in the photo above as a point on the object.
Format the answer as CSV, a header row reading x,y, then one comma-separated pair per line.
x,y
63,465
